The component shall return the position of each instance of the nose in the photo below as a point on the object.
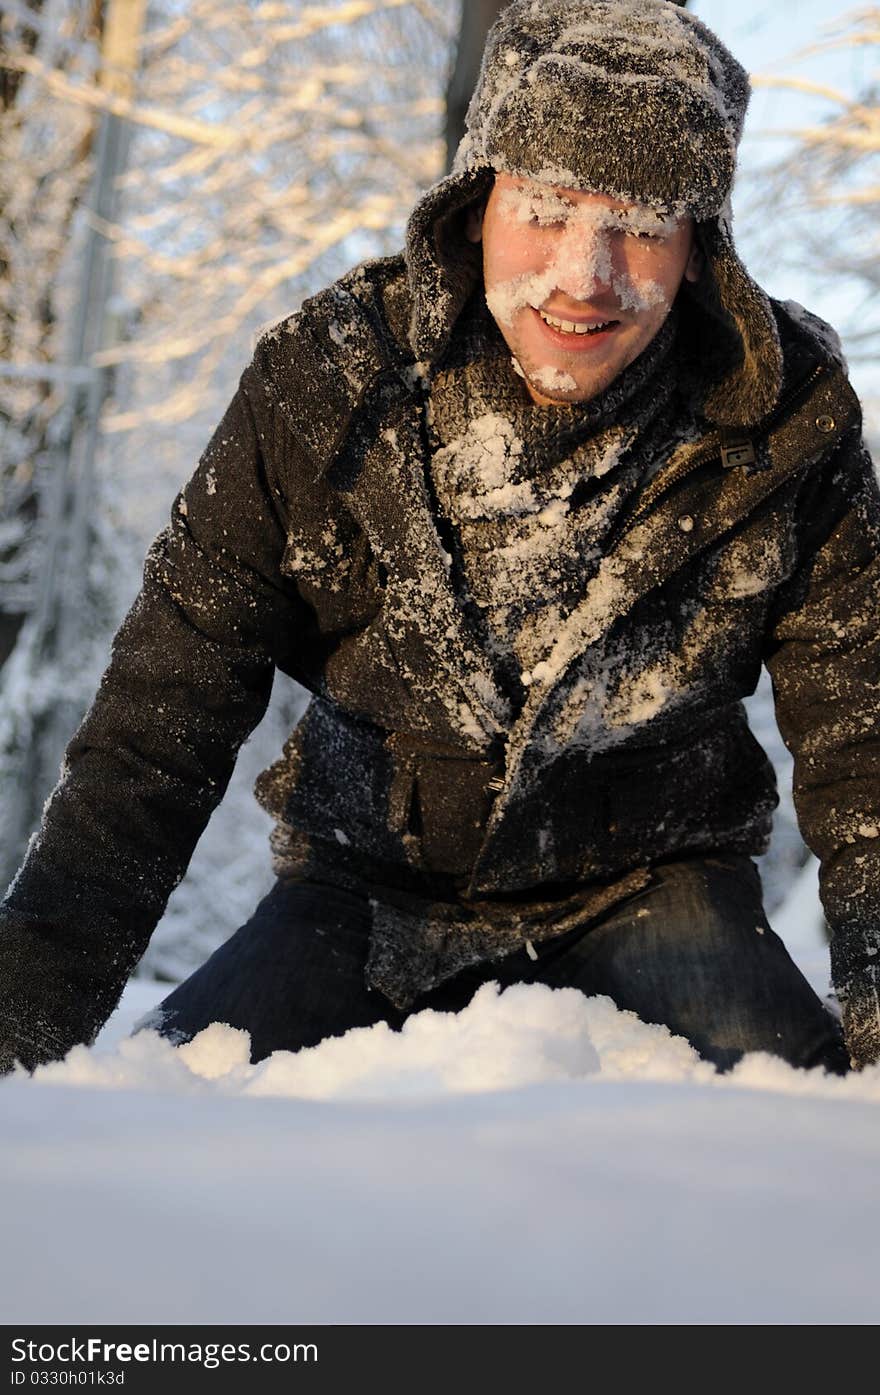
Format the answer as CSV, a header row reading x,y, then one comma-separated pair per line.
x,y
583,261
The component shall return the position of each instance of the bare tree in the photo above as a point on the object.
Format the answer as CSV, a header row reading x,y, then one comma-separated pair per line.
x,y
17,493
477,18
825,190
50,315
271,147
43,177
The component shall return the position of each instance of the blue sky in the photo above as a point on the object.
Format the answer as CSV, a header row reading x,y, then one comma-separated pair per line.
x,y
770,39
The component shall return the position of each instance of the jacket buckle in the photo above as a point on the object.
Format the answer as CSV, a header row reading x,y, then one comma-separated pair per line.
x,y
736,449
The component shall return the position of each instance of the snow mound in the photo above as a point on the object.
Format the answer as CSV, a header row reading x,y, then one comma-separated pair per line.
x,y
528,1035
556,1160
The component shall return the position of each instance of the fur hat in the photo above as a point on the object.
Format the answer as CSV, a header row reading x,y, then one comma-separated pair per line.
x,y
636,99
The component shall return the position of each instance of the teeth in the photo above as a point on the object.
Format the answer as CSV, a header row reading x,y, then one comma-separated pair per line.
x,y
569,326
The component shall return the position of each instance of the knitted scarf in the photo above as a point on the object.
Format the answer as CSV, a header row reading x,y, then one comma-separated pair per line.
x,y
526,496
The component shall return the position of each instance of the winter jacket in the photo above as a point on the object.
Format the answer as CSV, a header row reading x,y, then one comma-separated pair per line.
x,y
306,540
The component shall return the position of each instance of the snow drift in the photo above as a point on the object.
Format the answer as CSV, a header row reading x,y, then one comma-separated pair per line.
x,y
540,1158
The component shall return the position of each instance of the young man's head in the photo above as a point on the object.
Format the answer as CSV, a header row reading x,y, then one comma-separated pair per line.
x,y
599,157
578,283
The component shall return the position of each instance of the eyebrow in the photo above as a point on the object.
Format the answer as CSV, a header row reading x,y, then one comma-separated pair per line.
x,y
565,195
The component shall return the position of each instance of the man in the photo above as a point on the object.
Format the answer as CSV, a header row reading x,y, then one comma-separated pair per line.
x,y
525,510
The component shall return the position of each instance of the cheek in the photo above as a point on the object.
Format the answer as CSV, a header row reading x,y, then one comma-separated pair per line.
x,y
647,275
509,251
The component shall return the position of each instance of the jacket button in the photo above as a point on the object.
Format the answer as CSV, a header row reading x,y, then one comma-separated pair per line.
x,y
686,523
825,424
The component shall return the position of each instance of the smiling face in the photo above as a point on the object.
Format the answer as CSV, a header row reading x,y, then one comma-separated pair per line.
x,y
578,283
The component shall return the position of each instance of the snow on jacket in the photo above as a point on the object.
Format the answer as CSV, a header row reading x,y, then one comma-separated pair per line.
x,y
306,540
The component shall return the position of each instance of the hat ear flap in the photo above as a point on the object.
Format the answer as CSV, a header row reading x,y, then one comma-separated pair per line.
x,y
443,264
729,334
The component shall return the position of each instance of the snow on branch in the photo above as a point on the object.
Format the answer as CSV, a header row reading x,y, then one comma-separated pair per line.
x,y
269,147
825,187
272,145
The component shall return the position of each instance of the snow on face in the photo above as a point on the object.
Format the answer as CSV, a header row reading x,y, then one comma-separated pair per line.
x,y
553,380
603,271
592,227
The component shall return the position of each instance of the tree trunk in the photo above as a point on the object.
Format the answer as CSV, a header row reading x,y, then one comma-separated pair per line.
x,y
51,422
17,494
477,18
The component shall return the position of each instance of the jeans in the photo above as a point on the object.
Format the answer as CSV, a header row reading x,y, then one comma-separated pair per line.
x,y
692,950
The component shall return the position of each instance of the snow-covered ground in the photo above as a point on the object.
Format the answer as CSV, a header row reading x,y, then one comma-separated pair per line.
x,y
541,1157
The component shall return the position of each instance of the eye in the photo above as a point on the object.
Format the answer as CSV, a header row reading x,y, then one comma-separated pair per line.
x,y
641,235
547,220
534,208
548,212
644,225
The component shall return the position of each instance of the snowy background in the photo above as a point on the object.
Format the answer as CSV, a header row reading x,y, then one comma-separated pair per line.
x,y
264,158
541,1157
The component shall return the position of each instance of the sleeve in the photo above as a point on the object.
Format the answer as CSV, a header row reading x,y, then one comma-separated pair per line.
x,y
823,655
189,678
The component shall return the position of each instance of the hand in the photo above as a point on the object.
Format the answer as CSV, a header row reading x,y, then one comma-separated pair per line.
x,y
29,1036
54,994
16,1047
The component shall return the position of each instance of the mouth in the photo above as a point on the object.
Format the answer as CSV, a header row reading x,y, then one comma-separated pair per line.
x,y
577,333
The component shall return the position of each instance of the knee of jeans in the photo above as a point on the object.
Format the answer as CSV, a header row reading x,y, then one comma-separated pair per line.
x,y
162,1020
717,895
681,903
687,927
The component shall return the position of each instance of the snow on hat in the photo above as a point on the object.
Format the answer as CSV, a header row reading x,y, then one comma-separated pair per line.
x,y
636,99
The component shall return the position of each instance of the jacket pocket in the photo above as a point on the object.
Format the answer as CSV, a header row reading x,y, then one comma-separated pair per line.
x,y
333,782
717,792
